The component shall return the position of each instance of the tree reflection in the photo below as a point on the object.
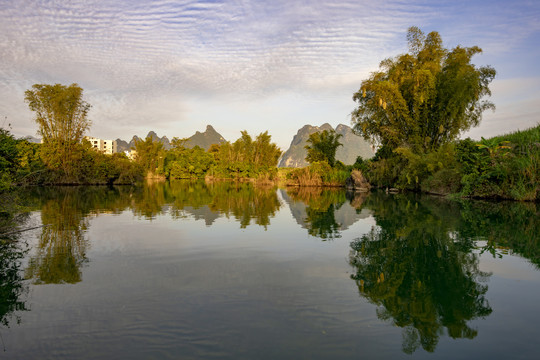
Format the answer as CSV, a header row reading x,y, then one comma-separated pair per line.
x,y
243,201
148,201
62,247
423,276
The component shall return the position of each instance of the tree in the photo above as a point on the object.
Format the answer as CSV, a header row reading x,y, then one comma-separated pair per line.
x,y
149,154
8,159
323,146
245,157
62,116
424,98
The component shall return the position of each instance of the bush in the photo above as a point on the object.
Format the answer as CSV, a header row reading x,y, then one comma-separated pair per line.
x,y
320,173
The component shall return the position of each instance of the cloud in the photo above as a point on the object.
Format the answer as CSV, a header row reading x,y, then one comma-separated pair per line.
x,y
155,63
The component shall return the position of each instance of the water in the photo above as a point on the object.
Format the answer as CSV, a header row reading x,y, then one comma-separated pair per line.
x,y
229,271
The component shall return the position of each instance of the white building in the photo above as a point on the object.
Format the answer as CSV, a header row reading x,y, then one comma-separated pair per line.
x,y
105,146
131,154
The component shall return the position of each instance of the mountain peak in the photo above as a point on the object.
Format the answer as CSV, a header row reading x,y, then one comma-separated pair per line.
x,y
206,139
353,146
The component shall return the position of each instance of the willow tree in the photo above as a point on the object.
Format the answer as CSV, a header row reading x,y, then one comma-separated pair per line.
x,y
62,116
424,98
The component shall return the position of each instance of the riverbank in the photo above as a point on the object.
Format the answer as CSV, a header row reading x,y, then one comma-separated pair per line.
x,y
505,167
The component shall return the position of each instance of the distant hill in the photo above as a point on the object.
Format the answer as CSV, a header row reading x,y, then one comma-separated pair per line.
x,y
353,146
204,140
345,215
32,139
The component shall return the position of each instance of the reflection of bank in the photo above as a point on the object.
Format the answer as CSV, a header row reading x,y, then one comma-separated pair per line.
x,y
325,212
420,272
12,286
208,201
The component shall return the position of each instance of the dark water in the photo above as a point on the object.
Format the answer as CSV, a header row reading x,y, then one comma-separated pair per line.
x,y
230,271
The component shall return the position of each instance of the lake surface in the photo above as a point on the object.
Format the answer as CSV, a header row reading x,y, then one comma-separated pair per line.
x,y
230,271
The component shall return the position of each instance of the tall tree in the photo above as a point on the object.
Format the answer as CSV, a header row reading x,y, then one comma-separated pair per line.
x,y
424,98
62,116
322,147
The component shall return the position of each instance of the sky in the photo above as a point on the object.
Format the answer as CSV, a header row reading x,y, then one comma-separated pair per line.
x,y
176,66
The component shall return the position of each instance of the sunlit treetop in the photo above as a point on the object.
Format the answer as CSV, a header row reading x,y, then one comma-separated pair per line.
x,y
424,98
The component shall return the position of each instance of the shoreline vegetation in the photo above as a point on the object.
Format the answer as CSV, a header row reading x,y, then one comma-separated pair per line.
x,y
502,167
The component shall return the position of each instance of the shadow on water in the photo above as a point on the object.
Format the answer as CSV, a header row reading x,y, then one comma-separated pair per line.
x,y
420,264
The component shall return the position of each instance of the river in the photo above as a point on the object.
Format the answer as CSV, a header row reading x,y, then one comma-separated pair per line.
x,y
225,270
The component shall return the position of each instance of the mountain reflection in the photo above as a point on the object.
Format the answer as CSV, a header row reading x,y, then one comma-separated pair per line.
x,y
325,212
420,272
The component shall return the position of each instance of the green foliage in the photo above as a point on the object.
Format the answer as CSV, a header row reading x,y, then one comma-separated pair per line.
x,y
385,172
189,163
9,154
361,164
149,154
30,167
322,147
506,166
418,168
424,98
245,158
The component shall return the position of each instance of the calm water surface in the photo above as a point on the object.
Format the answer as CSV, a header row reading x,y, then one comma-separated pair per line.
x,y
190,270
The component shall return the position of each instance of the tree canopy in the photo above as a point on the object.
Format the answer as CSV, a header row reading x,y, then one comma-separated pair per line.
x,y
61,113
424,98
62,117
322,147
